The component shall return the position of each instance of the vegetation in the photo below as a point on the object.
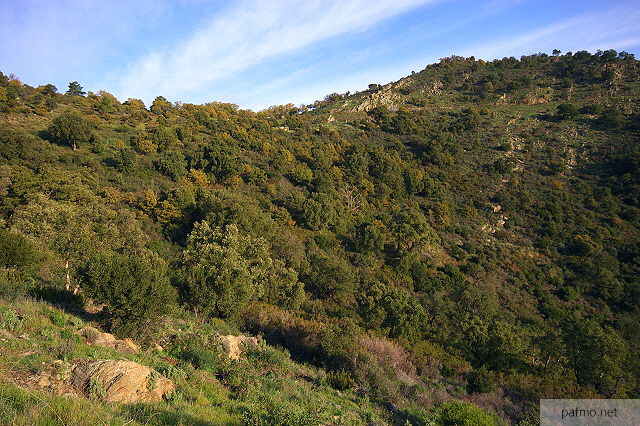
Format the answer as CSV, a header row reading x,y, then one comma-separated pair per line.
x,y
448,248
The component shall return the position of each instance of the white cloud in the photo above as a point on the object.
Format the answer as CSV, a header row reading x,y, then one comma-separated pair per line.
x,y
613,29
247,34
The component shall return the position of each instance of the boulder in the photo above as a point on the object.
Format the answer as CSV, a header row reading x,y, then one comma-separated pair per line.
x,y
234,346
119,381
93,336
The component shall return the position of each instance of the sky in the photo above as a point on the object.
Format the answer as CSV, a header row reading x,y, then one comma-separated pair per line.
x,y
258,53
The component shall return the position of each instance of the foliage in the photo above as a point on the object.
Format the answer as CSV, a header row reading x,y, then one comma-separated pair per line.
x,y
71,128
225,270
17,252
479,221
340,380
135,289
465,414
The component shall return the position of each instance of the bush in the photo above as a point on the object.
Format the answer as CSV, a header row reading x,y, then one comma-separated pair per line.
x,y
611,118
340,380
17,252
71,129
135,289
172,164
567,111
480,381
458,413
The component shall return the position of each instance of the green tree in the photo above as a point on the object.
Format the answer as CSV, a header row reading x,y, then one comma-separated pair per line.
x,y
75,89
135,288
18,252
319,211
164,138
71,128
600,357
370,237
224,270
410,229
567,111
172,164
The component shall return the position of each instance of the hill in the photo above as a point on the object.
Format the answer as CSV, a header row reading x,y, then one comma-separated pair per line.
x,y
467,233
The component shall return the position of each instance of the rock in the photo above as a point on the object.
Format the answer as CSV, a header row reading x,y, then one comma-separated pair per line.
x,y
44,382
234,346
93,336
120,381
128,344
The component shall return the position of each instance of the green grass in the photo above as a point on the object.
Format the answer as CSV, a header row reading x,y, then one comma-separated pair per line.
x,y
265,387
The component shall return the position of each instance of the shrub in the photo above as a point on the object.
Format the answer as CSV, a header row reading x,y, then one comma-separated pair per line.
x,y
481,381
95,389
567,111
611,118
340,380
9,319
71,129
134,288
458,413
172,164
17,252
225,269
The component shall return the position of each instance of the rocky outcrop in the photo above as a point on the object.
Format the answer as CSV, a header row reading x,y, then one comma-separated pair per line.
x,y
382,97
234,346
119,381
93,336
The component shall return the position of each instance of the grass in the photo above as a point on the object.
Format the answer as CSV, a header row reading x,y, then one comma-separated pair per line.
x,y
264,387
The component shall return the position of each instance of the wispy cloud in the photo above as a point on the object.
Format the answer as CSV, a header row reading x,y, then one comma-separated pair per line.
x,y
246,34
613,28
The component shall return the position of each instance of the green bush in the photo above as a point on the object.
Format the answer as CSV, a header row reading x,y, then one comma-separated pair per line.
x,y
481,381
567,111
340,380
225,269
72,129
17,252
9,319
134,288
458,413
172,164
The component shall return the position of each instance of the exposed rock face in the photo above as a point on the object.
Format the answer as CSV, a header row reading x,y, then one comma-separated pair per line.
x,y
384,97
93,336
234,346
120,381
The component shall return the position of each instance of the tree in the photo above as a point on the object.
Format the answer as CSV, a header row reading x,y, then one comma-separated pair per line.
x,y
567,111
599,356
319,211
410,228
75,89
160,105
164,138
224,270
329,276
134,288
18,252
71,128
172,164
369,237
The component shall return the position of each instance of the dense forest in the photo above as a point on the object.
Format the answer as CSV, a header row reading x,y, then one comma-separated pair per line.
x,y
445,249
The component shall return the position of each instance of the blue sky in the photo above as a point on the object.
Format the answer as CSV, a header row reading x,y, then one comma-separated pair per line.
x,y
257,53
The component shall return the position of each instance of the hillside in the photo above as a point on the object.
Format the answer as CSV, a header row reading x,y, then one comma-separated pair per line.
x,y
450,247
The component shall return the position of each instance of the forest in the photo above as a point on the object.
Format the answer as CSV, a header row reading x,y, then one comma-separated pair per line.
x,y
449,248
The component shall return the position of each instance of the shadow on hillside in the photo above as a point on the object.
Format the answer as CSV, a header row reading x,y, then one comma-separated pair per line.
x,y
67,301
46,135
